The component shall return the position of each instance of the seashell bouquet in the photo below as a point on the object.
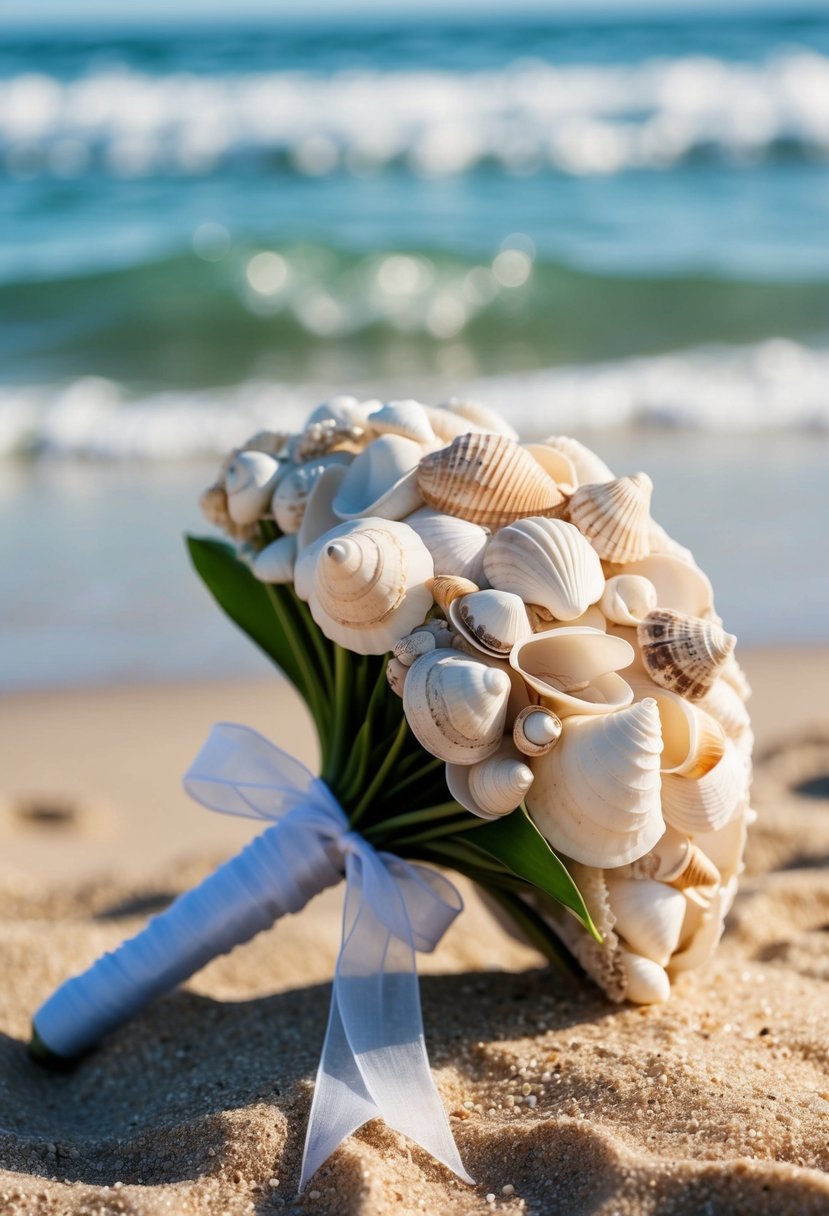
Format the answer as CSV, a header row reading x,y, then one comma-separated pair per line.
x,y
513,670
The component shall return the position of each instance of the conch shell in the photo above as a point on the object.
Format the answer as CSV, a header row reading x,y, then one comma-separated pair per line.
x,y
367,583
595,797
487,479
456,706
547,562
575,669
683,653
249,480
457,546
492,787
693,740
615,516
381,481
491,620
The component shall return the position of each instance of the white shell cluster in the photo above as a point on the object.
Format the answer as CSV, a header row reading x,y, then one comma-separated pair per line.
x,y
550,642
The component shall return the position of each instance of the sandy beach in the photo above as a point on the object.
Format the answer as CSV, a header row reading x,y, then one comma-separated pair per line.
x,y
560,1102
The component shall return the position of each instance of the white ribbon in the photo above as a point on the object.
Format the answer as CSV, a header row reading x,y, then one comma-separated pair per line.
x,y
374,1061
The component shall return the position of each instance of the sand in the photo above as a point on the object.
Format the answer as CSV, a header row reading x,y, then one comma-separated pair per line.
x,y
560,1102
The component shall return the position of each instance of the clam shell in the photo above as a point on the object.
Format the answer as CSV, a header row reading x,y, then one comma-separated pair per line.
x,y
492,787
381,481
481,417
249,479
536,730
574,669
547,562
627,599
446,588
649,915
407,418
645,982
589,467
294,487
486,479
318,516
456,706
679,586
275,563
615,516
556,465
368,583
491,620
457,546
595,797
704,804
683,653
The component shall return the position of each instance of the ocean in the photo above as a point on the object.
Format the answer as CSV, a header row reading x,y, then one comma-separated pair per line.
x,y
616,228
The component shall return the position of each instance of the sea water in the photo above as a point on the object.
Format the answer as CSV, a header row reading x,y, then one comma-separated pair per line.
x,y
617,228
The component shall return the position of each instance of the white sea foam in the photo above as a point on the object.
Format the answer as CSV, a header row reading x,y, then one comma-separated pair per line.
x,y
578,118
773,386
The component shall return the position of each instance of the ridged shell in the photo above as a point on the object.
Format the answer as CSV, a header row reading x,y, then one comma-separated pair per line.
x,y
446,588
574,669
724,704
487,479
615,516
275,563
249,479
368,583
446,425
595,797
318,516
481,417
456,706
707,803
547,562
415,644
381,481
627,599
649,915
290,498
491,620
683,653
492,787
407,418
680,586
457,546
589,467
555,464
536,730
646,983
676,860
693,741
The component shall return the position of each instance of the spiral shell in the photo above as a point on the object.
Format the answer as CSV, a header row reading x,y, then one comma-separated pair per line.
x,y
615,516
682,653
275,563
249,480
487,479
709,802
456,706
627,599
679,585
536,730
492,787
546,562
381,481
406,418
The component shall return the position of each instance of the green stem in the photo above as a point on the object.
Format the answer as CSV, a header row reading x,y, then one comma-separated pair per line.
x,y
446,829
419,775
382,773
318,640
342,697
536,930
316,704
444,811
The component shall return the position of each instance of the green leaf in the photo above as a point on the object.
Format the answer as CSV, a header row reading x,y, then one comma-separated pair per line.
x,y
516,842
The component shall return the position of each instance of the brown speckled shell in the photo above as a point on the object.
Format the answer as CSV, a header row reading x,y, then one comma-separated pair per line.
x,y
683,653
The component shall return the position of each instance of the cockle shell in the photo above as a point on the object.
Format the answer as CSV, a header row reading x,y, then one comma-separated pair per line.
x,y
367,583
627,599
683,653
680,586
645,982
294,487
595,797
575,669
382,480
491,620
589,467
649,915
492,787
446,588
318,516
615,516
481,417
456,706
547,562
555,464
487,479
704,804
457,546
407,418
249,479
275,563
536,730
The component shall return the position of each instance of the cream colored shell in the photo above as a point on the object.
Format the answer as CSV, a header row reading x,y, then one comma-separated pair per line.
x,y
249,480
295,486
382,481
627,599
546,562
615,516
407,418
275,563
457,546
492,787
588,466
680,586
649,915
575,670
456,706
491,620
536,730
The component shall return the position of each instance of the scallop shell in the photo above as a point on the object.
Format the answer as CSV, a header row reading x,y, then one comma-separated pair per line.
x,y
704,804
491,620
294,487
446,588
627,599
555,464
456,706
381,481
486,479
407,418
249,480
589,467
680,586
547,562
645,982
368,583
595,797
683,653
649,915
536,730
615,516
492,787
457,546
574,669
275,563
481,417
318,516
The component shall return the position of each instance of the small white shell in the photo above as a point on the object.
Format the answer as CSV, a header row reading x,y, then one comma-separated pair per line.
x,y
679,586
536,730
615,516
407,418
381,481
649,915
546,562
646,983
414,645
318,516
574,669
456,706
491,620
275,563
343,411
457,546
294,488
492,787
627,599
249,479
704,804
